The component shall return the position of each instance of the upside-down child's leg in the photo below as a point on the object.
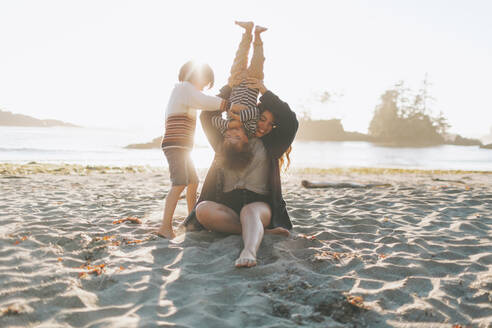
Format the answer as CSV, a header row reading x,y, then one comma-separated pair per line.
x,y
242,94
240,64
256,67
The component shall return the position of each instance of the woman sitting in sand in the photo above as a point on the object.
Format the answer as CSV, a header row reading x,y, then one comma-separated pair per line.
x,y
242,191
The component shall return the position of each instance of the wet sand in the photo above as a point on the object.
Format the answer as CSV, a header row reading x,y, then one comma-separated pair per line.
x,y
417,253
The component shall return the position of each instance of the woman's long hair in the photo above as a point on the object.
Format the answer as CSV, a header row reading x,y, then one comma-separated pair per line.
x,y
285,159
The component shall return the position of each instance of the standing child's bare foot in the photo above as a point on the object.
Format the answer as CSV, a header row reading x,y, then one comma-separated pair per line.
x,y
166,232
246,25
247,259
260,29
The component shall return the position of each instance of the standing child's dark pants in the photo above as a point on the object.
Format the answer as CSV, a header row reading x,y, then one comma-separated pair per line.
x,y
181,168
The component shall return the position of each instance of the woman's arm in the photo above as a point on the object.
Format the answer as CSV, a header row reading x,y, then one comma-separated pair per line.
x,y
214,136
280,139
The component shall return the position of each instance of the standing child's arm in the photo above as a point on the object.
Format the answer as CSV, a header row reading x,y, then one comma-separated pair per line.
x,y
199,100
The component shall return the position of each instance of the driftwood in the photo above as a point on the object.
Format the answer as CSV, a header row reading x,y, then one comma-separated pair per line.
x,y
444,180
310,184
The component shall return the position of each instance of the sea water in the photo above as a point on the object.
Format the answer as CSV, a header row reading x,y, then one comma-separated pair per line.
x,y
97,146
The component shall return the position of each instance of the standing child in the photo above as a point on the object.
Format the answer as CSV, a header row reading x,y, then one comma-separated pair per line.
x,y
178,139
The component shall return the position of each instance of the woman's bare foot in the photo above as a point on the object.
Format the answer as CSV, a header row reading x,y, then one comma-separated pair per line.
x,y
167,233
278,231
247,259
248,26
260,29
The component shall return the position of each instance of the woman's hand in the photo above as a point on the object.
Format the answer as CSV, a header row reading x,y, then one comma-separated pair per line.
x,y
235,109
254,83
233,115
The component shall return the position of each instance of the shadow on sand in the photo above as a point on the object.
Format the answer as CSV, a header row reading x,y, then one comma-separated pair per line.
x,y
193,283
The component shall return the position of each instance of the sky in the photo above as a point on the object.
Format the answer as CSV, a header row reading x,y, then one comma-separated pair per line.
x,y
114,63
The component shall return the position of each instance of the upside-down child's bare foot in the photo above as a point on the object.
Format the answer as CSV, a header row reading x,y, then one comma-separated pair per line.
x,y
247,259
260,29
246,25
278,231
167,233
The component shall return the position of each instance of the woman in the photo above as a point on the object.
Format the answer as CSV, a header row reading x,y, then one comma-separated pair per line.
x,y
239,203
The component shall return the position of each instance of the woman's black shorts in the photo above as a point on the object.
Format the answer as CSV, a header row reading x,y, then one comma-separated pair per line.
x,y
239,198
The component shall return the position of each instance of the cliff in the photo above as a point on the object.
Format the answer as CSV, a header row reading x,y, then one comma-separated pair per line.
x,y
155,143
461,141
327,130
11,119
309,130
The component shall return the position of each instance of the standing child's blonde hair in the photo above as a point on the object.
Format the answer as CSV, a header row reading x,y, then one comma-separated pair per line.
x,y
191,71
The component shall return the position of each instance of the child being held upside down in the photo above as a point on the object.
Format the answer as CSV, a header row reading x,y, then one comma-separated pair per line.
x,y
239,82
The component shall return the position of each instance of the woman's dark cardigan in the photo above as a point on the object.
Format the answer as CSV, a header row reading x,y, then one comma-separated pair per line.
x,y
276,143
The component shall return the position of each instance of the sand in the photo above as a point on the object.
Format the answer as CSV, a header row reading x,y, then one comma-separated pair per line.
x,y
415,254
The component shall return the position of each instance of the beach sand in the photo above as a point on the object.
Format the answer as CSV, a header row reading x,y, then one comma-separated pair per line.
x,y
415,254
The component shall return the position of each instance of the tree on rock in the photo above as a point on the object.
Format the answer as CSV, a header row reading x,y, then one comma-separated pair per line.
x,y
403,117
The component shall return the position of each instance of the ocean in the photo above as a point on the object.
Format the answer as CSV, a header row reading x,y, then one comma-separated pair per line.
x,y
97,146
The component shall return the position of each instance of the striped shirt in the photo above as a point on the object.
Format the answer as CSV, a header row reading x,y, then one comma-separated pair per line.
x,y
249,117
181,109
241,94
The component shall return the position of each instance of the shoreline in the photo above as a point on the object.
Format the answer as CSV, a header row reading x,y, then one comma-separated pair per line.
x,y
77,169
